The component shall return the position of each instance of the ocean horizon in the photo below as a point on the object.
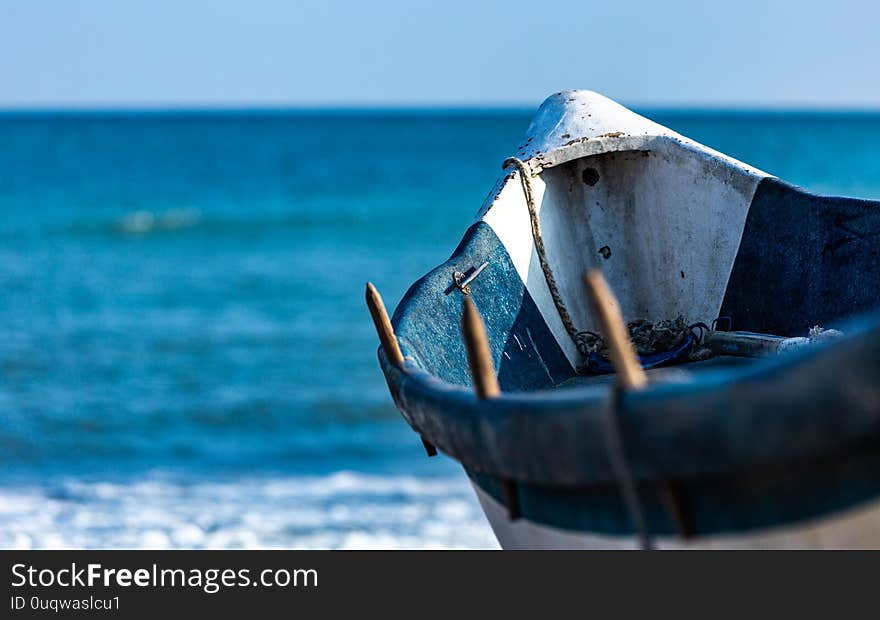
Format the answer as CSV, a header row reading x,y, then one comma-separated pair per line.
x,y
186,359
424,108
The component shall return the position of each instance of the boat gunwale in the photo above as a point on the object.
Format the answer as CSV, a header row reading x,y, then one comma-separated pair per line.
x,y
616,128
717,425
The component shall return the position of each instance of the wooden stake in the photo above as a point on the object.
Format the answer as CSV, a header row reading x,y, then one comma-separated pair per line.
x,y
606,311
479,354
383,325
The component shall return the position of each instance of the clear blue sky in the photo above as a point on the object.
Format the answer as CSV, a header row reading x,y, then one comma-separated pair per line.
x,y
68,53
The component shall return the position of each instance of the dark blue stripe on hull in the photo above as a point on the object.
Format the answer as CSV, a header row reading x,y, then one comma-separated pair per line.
x,y
803,260
428,320
761,499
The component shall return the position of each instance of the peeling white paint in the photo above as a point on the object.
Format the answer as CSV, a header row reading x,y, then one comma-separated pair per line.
x,y
668,212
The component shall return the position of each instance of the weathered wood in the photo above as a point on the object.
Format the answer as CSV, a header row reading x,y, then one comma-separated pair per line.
x,y
383,325
478,352
606,310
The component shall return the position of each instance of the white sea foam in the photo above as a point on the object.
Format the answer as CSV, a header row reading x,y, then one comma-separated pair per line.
x,y
142,222
344,510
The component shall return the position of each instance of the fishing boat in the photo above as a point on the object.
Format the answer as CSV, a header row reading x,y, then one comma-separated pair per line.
x,y
644,343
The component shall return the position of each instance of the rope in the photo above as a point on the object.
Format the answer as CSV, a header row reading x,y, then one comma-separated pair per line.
x,y
613,440
648,338
525,176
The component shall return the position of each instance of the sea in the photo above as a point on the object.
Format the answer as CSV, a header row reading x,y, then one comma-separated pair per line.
x,y
186,360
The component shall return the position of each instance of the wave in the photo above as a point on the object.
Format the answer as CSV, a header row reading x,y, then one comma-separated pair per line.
x,y
318,220
312,220
341,510
143,222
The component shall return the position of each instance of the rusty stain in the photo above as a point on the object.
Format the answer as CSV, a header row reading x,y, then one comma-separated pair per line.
x,y
612,134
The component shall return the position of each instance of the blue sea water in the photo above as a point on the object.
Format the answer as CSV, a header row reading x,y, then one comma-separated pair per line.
x,y
185,355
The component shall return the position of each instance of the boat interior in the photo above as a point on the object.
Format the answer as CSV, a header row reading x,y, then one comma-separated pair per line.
x,y
677,232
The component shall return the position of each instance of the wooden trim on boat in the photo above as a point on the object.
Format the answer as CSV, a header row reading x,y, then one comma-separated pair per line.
x,y
383,325
606,311
478,352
